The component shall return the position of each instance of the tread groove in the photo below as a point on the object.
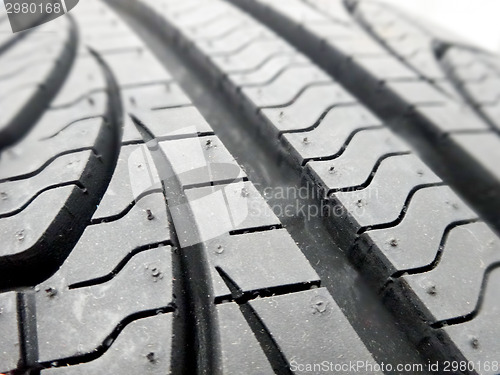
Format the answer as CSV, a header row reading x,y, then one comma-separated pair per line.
x,y
34,107
268,344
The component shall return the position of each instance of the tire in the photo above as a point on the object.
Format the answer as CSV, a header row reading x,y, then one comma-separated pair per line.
x,y
146,167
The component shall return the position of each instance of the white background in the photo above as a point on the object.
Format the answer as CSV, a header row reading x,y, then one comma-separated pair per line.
x,y
477,21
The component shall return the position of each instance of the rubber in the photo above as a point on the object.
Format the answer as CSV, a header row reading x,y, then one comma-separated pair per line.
x,y
382,214
135,241
115,220
398,74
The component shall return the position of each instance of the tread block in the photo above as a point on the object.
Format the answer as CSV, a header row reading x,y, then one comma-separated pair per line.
x,y
268,71
38,46
220,30
386,67
331,134
226,208
476,339
252,57
10,345
154,96
384,199
456,282
100,23
90,314
485,147
57,119
357,163
357,45
103,246
27,157
135,176
130,134
82,81
402,248
329,30
14,195
22,232
210,13
113,43
452,117
104,31
335,10
233,42
144,347
416,92
487,92
315,321
305,111
174,122
297,10
16,92
241,352
201,161
284,264
125,67
286,86
476,72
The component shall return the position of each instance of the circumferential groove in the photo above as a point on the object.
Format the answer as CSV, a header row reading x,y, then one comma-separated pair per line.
x,y
41,260
201,352
38,102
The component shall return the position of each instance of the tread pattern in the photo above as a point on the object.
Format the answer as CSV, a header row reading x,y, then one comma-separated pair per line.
x,y
23,97
69,133
143,340
472,337
403,188
118,288
417,102
406,39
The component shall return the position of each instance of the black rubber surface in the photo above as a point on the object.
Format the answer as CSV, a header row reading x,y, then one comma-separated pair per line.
x,y
135,242
393,65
